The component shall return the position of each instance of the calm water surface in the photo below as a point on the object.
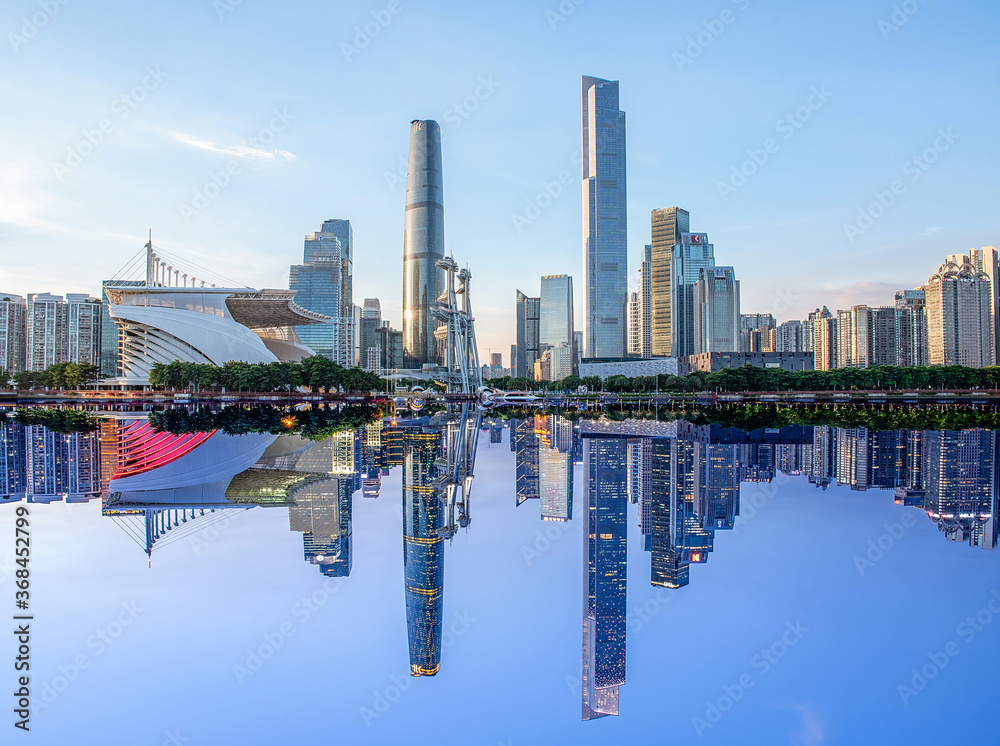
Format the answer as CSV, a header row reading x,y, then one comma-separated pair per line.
x,y
464,580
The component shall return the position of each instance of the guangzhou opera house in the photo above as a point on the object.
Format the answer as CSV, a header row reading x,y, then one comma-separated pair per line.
x,y
158,324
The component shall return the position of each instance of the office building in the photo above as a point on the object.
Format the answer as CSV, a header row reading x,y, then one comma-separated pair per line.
x,y
528,314
691,255
605,245
322,284
717,310
555,327
423,244
666,227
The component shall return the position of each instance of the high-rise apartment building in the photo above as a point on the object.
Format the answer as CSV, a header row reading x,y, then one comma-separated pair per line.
x,y
423,243
62,330
756,332
717,310
691,255
911,328
959,300
13,314
83,329
985,260
790,337
667,225
605,236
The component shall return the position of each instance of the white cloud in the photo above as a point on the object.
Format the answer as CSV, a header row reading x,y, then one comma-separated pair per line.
x,y
240,150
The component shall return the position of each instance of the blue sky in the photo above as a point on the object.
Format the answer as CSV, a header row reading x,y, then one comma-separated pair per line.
x,y
309,112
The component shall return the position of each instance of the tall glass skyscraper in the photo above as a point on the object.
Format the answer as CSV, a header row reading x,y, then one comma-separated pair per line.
x,y
605,250
317,286
423,243
556,323
666,226
691,254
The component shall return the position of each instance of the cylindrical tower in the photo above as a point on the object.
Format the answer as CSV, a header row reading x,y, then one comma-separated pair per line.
x,y
423,243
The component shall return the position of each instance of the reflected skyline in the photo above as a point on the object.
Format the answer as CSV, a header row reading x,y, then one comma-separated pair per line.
x,y
684,481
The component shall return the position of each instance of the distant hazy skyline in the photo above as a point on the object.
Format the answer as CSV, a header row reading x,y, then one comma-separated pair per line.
x,y
302,111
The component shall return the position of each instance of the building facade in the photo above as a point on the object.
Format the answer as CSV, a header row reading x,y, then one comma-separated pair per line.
x,y
959,326
717,310
13,340
691,255
666,227
605,238
423,244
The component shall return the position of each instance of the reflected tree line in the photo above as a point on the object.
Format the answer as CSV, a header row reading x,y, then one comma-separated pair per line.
x,y
751,378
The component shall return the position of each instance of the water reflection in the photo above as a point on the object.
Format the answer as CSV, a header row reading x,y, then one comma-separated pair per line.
x,y
683,479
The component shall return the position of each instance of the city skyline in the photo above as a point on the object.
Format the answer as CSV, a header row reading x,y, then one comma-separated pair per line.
x,y
857,129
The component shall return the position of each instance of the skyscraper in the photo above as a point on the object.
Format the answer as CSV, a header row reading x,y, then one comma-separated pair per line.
x,y
555,326
528,313
605,255
667,225
959,302
423,243
691,254
13,311
46,327
323,284
717,310
645,348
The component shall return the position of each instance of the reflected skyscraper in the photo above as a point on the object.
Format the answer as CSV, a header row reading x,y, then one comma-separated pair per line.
x,y
423,243
423,549
524,443
605,505
555,468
